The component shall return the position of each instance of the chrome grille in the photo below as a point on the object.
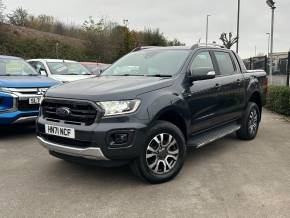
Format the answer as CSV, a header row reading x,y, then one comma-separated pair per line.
x,y
22,96
23,105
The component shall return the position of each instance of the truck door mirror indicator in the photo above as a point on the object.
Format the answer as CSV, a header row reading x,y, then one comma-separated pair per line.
x,y
202,74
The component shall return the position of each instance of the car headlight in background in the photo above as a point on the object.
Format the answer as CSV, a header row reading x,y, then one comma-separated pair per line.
x,y
113,108
7,100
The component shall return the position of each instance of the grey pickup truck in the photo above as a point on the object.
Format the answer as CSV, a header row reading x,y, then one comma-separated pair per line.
x,y
150,106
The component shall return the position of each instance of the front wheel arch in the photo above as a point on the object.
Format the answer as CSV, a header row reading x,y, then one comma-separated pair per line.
x,y
174,116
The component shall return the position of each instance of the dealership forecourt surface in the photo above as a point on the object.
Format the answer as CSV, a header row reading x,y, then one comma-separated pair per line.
x,y
228,178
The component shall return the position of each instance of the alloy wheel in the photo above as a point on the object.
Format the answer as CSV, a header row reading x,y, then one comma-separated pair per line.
x,y
253,122
162,153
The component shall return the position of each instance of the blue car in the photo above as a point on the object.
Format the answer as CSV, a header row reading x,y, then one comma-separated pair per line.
x,y
21,89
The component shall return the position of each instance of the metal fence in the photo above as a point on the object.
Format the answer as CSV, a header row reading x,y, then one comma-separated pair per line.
x,y
280,67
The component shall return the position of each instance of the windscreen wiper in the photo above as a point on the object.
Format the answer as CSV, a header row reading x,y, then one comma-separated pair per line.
x,y
159,75
128,74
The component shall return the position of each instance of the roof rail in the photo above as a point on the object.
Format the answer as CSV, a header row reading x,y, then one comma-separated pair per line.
x,y
198,45
144,47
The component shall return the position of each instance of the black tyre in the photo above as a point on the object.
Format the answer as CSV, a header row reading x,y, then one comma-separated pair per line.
x,y
250,122
163,155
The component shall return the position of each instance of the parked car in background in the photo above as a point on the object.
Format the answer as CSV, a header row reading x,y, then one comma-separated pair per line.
x,y
61,70
149,106
21,89
95,68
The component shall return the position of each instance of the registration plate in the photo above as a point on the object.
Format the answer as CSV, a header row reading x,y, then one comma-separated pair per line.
x,y
34,100
60,131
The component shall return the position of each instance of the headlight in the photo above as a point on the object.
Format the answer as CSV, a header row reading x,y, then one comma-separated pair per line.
x,y
7,100
113,108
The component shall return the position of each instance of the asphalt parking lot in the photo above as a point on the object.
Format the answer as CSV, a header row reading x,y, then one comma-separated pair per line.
x,y
228,178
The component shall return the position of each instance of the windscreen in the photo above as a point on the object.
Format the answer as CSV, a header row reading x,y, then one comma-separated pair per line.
x,y
16,67
67,68
159,62
92,67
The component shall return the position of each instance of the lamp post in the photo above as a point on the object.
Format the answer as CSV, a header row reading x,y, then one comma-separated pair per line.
x,y
206,37
56,49
288,70
271,4
268,51
125,21
126,35
238,26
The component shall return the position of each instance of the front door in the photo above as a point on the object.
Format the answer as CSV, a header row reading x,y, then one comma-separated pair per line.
x,y
202,94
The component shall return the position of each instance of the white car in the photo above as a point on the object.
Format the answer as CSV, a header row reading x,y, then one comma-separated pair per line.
x,y
61,70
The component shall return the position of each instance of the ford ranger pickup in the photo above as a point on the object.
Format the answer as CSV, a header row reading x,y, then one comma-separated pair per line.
x,y
150,106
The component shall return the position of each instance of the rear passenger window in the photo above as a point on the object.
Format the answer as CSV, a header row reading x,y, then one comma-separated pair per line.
x,y
225,63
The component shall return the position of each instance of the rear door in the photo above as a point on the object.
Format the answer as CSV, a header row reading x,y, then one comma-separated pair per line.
x,y
230,86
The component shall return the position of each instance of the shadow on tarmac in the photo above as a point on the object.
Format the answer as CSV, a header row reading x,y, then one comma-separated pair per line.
x,y
18,130
88,175
92,174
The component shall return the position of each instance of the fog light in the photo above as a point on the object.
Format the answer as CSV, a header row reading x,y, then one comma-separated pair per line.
x,y
120,138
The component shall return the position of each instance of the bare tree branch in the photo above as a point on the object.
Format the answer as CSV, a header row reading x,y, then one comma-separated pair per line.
x,y
228,42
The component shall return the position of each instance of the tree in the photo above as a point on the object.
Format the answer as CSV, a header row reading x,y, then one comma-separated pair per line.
x,y
18,17
2,8
91,25
175,42
228,42
153,37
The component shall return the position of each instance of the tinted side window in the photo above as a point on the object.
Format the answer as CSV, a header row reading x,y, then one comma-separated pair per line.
x,y
202,62
39,66
225,63
32,63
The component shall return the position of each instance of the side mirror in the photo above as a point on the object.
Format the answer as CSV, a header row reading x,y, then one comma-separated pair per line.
x,y
202,74
43,72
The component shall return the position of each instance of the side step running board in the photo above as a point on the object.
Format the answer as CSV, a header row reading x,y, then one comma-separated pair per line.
x,y
212,135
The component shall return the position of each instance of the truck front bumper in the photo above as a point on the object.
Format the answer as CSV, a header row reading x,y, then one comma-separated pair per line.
x,y
94,142
17,117
88,153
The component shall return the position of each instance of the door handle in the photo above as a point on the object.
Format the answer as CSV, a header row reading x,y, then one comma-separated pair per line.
x,y
217,86
239,82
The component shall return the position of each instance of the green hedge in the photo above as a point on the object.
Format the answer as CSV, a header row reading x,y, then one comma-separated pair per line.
x,y
29,48
278,99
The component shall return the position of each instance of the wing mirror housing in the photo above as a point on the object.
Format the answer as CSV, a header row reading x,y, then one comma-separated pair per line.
x,y
202,74
42,72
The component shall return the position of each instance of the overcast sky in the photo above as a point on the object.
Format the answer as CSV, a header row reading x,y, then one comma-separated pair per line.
x,y
183,19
